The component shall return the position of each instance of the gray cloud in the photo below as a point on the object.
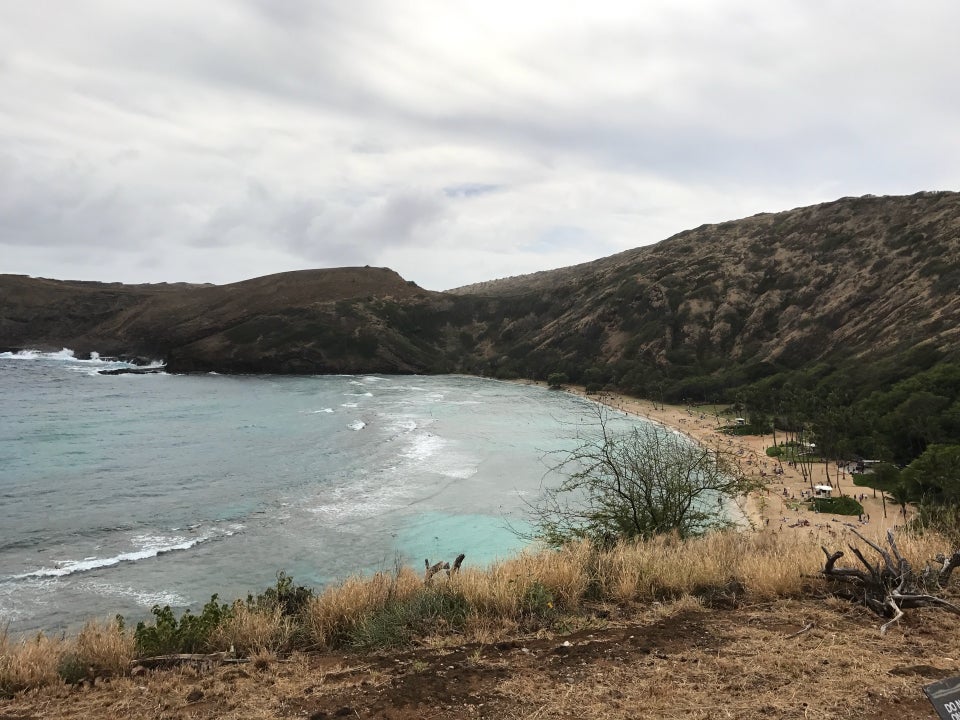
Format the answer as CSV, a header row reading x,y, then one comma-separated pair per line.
x,y
452,141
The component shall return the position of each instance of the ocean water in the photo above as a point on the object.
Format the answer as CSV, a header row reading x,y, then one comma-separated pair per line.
x,y
121,492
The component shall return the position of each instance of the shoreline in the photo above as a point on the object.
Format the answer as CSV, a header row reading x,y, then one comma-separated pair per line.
x,y
778,506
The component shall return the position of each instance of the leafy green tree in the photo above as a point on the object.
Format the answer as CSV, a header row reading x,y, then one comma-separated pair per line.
x,y
935,475
557,380
637,483
916,423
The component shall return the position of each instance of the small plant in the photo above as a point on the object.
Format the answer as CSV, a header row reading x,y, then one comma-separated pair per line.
x,y
190,634
290,598
537,602
71,669
399,622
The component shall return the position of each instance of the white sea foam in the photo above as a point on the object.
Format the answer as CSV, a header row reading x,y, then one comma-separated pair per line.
x,y
357,425
359,502
67,355
366,394
423,446
150,546
404,426
144,598
433,453
349,405
324,410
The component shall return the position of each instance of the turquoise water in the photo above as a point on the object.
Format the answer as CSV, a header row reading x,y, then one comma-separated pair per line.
x,y
121,492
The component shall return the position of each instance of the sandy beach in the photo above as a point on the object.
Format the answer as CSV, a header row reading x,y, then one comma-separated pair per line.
x,y
779,506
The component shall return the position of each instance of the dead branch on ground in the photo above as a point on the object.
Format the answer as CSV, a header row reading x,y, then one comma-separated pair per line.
x,y
890,586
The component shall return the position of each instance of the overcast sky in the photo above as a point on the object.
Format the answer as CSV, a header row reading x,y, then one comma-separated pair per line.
x,y
452,141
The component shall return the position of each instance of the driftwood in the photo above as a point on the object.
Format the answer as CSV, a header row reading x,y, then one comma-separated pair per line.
x,y
431,570
890,585
204,660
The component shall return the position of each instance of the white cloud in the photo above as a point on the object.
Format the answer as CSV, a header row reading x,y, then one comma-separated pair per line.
x,y
452,141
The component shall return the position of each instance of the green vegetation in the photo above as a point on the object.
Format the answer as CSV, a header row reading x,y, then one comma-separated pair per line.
x,y
434,610
191,633
640,483
932,482
837,505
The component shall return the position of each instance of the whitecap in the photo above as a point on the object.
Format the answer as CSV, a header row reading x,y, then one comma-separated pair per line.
x,y
404,425
359,502
349,405
357,425
144,598
423,446
90,366
150,546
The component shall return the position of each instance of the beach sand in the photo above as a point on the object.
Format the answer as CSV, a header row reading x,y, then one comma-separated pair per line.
x,y
769,509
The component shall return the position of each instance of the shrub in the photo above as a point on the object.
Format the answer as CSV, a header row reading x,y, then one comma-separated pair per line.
x,y
190,634
289,598
641,482
844,505
537,602
774,451
430,611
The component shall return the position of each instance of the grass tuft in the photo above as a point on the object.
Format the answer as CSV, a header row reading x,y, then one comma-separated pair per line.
x,y
28,663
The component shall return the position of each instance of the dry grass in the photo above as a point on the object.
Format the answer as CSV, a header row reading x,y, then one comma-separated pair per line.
x,y
102,649
98,650
530,592
519,592
28,663
250,631
332,616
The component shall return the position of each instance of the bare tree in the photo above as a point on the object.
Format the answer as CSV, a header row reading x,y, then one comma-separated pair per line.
x,y
637,483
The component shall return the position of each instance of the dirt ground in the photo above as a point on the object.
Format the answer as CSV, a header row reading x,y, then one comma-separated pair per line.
x,y
788,659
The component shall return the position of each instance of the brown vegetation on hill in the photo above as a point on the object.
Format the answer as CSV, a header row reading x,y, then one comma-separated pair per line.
x,y
701,312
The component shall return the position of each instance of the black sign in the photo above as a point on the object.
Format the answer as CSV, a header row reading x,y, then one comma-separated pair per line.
x,y
945,696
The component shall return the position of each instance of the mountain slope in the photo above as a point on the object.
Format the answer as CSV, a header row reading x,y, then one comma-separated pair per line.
x,y
705,310
859,277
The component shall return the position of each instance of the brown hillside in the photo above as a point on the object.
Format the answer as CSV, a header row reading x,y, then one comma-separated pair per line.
x,y
710,307
859,277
